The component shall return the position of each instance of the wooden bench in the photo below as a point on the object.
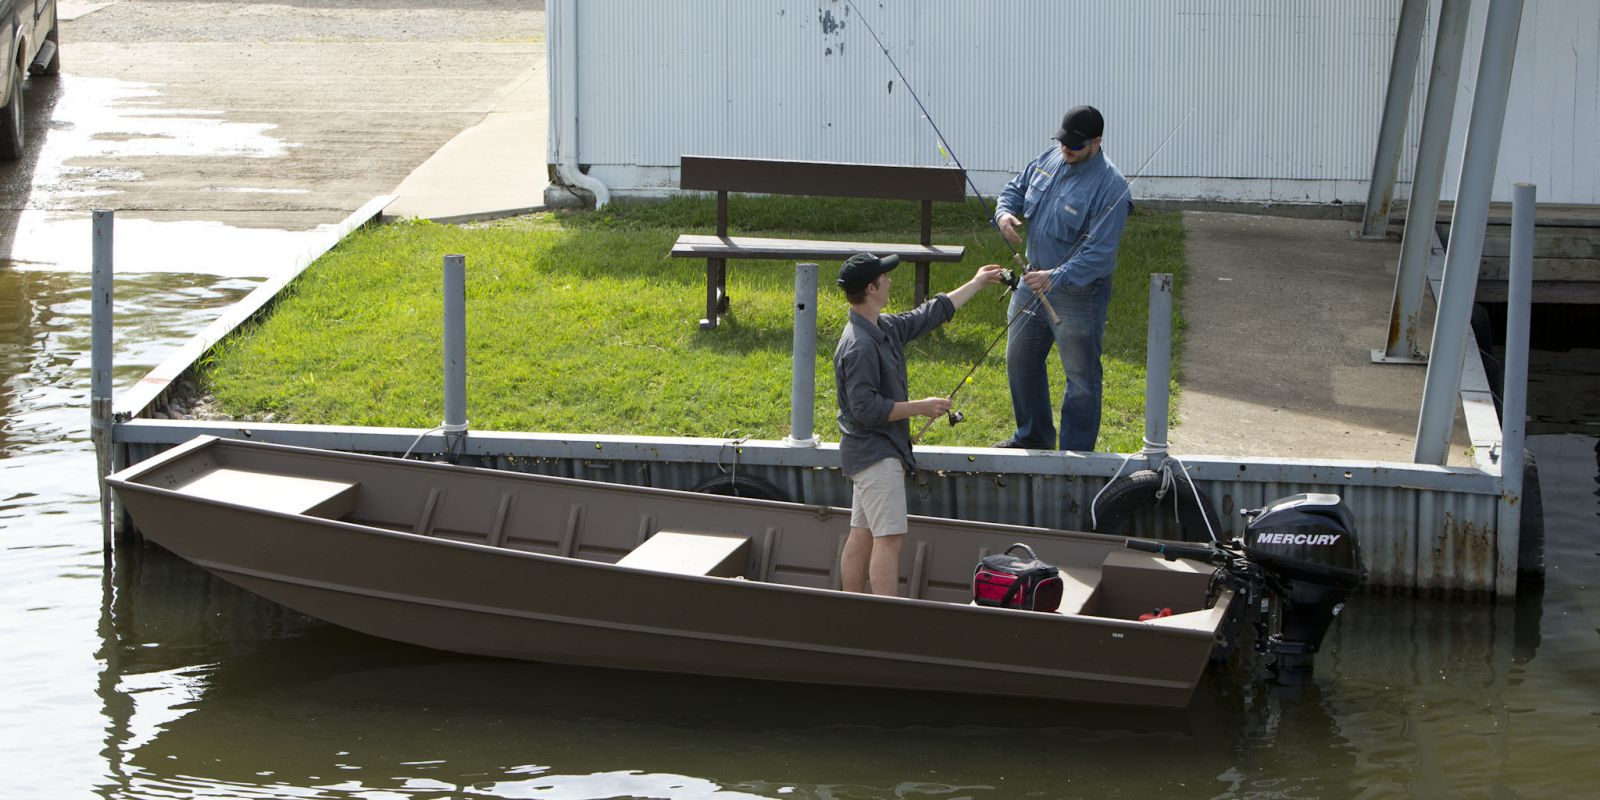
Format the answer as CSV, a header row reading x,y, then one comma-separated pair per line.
x,y
818,179
692,553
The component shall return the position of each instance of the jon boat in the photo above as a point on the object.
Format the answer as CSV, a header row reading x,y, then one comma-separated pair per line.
x,y
562,570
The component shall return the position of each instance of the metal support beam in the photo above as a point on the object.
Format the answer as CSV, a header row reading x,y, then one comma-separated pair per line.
x,y
803,383
455,352
1463,255
1392,130
1514,391
100,388
1158,369
1402,345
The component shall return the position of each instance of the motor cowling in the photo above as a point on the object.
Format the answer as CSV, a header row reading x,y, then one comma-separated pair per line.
x,y
1305,546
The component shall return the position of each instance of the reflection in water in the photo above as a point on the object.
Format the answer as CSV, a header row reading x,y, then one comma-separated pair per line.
x,y
50,559
86,133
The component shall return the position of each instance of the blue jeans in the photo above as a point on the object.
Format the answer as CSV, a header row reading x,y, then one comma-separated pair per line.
x,y
1078,340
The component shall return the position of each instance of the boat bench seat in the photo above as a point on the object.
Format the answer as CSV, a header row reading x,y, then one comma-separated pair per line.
x,y
1137,582
692,553
1077,586
288,494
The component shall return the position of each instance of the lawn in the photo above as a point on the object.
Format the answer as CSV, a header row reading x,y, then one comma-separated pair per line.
x,y
579,323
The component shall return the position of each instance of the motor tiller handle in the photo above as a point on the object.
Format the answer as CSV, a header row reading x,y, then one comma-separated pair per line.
x,y
1172,551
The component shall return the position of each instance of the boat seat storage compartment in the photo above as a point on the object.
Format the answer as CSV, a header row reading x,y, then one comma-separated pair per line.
x,y
287,494
1134,583
692,553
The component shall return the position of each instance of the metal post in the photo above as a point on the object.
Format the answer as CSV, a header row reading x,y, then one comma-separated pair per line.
x,y
1514,389
455,353
1392,130
100,390
803,384
1402,345
1158,369
1462,257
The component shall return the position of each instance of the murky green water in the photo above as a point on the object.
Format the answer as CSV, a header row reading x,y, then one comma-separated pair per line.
x,y
153,680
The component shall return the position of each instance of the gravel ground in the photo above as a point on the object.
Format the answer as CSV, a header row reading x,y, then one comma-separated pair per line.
x,y
145,21
284,115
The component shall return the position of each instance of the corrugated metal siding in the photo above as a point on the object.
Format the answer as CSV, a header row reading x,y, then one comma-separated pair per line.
x,y
1287,96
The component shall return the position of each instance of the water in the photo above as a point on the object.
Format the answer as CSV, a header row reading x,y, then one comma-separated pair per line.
x,y
153,680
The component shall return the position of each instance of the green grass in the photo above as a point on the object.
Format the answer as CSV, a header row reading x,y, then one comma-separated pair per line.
x,y
578,322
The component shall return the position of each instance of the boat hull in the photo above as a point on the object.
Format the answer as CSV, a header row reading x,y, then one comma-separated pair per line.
x,y
467,597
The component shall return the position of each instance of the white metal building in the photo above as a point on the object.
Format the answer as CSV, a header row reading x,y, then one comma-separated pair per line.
x,y
1286,95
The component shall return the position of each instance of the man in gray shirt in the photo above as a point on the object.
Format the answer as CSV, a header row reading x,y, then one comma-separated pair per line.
x,y
869,373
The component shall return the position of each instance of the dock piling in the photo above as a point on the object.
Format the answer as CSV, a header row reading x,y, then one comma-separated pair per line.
x,y
455,354
1514,389
1158,369
803,382
100,389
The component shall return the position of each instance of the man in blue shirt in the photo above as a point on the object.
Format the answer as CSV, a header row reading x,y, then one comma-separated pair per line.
x,y
1074,201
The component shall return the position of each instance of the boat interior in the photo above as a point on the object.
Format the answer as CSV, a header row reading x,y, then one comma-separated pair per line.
x,y
657,529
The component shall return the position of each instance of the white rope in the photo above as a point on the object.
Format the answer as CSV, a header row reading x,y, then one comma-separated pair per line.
x,y
1167,481
418,440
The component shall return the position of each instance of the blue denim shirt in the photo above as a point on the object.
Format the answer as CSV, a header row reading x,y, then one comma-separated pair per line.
x,y
869,377
1061,201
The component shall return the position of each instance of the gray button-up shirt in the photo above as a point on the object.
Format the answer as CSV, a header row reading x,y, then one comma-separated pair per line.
x,y
869,375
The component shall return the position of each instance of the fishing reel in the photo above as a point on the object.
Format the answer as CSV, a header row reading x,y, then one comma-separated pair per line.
x,y
954,417
1012,281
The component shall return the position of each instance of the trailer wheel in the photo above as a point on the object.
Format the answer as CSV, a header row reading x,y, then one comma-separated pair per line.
x,y
1132,493
11,139
749,486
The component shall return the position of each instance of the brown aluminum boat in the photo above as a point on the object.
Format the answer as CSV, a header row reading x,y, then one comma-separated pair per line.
x,y
571,571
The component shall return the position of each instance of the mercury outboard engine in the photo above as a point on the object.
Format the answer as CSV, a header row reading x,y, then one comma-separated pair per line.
x,y
1306,551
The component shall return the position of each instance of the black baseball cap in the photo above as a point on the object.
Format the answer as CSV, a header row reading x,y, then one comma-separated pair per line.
x,y
1081,124
862,269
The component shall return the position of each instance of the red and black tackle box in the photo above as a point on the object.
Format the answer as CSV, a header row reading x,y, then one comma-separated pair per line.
x,y
1008,581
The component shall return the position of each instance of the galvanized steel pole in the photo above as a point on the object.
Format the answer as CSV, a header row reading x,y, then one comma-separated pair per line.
x,y
1392,130
1514,390
1402,345
1158,369
1462,257
455,352
100,344
803,383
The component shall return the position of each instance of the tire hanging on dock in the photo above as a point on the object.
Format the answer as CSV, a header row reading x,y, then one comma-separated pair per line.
x,y
1124,497
735,485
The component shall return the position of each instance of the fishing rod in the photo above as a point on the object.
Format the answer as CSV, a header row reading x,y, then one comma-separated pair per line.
x,y
1013,281
1027,309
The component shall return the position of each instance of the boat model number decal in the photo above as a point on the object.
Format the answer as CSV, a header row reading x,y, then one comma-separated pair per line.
x,y
1320,539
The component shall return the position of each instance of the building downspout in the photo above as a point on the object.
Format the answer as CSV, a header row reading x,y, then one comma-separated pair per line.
x,y
563,19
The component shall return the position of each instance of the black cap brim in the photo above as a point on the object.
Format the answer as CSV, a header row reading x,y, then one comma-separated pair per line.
x,y
1071,140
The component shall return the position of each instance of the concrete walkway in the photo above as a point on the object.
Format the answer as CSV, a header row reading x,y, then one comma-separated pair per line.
x,y
1282,317
493,169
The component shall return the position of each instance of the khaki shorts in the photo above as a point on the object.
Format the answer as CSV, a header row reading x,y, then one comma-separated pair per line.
x,y
878,502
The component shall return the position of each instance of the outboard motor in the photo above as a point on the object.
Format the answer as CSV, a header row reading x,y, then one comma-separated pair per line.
x,y
1306,550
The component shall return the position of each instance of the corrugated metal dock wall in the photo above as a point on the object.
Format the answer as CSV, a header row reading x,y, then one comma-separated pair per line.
x,y
1287,96
1431,530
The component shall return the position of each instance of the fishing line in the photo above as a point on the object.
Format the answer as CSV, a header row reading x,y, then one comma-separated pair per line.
x,y
945,148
